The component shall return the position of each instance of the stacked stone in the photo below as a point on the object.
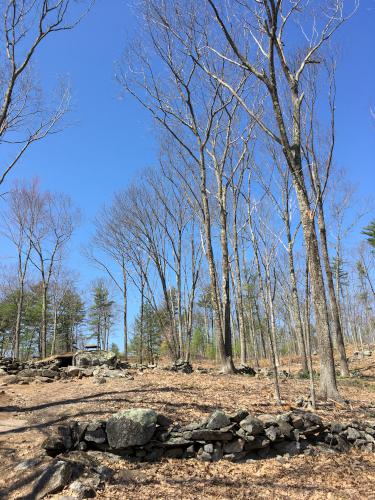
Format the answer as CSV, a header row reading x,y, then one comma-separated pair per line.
x,y
24,372
9,366
142,434
182,367
100,365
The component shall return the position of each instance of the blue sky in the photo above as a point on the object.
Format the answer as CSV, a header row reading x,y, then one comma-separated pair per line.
x,y
111,138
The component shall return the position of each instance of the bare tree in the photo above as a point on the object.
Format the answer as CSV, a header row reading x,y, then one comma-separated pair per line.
x,y
202,119
48,237
266,57
111,238
24,119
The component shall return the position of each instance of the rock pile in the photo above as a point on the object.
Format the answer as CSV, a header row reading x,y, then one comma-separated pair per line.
x,y
358,355
101,365
182,367
246,370
24,372
10,367
84,359
142,434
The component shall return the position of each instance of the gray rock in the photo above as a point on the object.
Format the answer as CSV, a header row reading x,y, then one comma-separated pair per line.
x,y
48,373
176,441
252,425
95,433
131,428
78,430
217,420
81,490
337,427
85,359
163,421
217,454
341,444
246,370
87,372
288,447
267,419
239,415
312,420
285,429
189,452
54,479
272,433
59,442
352,434
209,448
205,456
72,371
234,446
297,421
28,372
210,435
257,443
195,425
108,372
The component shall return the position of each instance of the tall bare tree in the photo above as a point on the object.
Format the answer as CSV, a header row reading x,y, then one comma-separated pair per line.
x,y
265,53
48,237
23,212
24,118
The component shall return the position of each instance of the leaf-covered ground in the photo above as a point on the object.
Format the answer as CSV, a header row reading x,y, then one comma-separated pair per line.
x,y
28,411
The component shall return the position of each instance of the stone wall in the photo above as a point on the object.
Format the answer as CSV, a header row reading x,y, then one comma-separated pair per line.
x,y
143,434
98,364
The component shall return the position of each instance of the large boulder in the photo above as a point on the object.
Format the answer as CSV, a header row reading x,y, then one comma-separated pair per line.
x,y
83,359
131,428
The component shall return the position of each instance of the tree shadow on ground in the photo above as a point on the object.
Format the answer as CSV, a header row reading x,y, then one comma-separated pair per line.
x,y
82,399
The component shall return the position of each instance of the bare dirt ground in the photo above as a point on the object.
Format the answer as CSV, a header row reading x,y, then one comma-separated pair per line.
x,y
27,412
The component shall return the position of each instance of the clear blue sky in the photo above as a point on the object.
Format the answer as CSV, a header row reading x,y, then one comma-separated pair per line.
x,y
112,139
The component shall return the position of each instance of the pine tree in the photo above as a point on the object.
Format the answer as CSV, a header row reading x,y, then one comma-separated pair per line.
x,y
101,314
369,231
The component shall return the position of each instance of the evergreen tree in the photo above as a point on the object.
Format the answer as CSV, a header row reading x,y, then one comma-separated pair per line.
x,y
146,342
101,314
369,231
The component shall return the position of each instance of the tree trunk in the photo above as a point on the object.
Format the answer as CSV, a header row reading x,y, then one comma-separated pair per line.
x,y
238,291
43,330
221,326
328,384
344,367
308,339
125,315
17,330
296,307
53,346
228,362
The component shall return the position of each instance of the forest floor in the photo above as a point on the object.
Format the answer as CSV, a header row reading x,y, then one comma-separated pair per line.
x,y
27,413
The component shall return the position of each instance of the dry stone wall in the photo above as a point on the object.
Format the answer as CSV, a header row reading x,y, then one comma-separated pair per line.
x,y
143,434
98,364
